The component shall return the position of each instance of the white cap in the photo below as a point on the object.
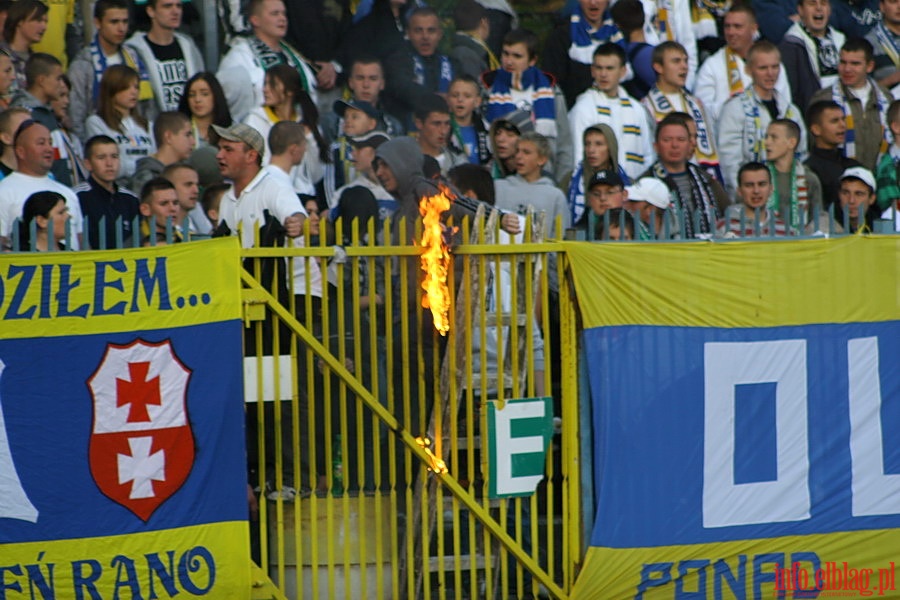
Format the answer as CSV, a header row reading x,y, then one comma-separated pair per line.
x,y
861,173
652,190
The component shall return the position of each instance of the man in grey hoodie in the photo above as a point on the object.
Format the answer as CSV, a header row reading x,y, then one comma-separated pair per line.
x,y
398,166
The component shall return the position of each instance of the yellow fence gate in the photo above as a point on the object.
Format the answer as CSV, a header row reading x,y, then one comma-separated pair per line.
x,y
376,445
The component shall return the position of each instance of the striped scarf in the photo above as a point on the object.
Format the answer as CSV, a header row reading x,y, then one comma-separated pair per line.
x,y
266,57
663,22
888,43
701,202
660,106
799,193
754,130
482,149
735,80
881,105
605,115
584,41
500,99
98,61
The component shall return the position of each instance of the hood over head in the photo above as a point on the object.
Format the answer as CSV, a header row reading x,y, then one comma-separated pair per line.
x,y
404,157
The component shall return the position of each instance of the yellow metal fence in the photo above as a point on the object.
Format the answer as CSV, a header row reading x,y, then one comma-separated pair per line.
x,y
366,429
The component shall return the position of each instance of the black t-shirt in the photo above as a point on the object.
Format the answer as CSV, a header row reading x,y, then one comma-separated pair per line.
x,y
772,107
172,69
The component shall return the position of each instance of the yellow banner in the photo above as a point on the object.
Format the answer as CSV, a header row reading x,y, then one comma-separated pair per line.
x,y
738,284
747,569
187,562
78,293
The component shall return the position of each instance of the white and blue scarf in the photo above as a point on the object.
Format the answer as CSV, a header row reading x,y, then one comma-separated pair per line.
x,y
129,59
888,42
500,100
881,105
577,192
585,41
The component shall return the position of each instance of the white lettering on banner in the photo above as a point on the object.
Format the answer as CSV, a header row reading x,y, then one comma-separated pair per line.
x,y
14,502
874,493
726,365
508,446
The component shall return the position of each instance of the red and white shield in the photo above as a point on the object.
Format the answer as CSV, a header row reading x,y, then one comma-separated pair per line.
x,y
142,446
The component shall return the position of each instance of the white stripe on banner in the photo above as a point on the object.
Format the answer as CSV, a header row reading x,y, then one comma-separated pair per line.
x,y
874,493
726,365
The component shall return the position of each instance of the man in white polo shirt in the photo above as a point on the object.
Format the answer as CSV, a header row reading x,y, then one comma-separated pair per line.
x,y
254,193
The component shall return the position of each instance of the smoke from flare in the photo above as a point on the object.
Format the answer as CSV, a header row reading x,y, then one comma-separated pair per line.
x,y
436,258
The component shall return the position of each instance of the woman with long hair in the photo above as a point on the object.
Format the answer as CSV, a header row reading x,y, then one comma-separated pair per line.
x,y
601,151
285,100
203,101
118,117
26,22
45,214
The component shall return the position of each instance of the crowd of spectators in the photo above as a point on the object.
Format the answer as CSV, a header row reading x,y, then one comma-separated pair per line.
x,y
695,94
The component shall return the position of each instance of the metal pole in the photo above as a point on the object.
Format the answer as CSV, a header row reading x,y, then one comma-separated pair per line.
x,y
210,18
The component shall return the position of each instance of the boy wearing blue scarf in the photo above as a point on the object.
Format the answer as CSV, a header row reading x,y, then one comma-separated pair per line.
x,y
520,85
106,49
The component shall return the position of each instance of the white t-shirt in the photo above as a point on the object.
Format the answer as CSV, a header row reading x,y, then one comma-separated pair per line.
x,y
265,192
15,189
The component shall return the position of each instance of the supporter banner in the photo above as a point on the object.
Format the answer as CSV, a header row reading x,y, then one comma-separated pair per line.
x,y
745,404
122,468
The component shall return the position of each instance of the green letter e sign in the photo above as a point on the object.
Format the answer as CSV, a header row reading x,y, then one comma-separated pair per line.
x,y
518,435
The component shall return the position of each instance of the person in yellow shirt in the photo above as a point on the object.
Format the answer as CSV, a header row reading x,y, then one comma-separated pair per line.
x,y
60,16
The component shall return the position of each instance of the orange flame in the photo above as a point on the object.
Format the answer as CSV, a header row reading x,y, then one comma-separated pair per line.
x,y
436,258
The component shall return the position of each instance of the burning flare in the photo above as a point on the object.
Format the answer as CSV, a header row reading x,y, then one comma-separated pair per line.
x,y
436,258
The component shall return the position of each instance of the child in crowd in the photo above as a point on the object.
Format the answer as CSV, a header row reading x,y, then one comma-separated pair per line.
x,y
357,117
752,218
650,199
857,198
618,225
102,201
796,193
529,187
519,84
174,139
504,135
601,152
605,191
159,207
469,132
